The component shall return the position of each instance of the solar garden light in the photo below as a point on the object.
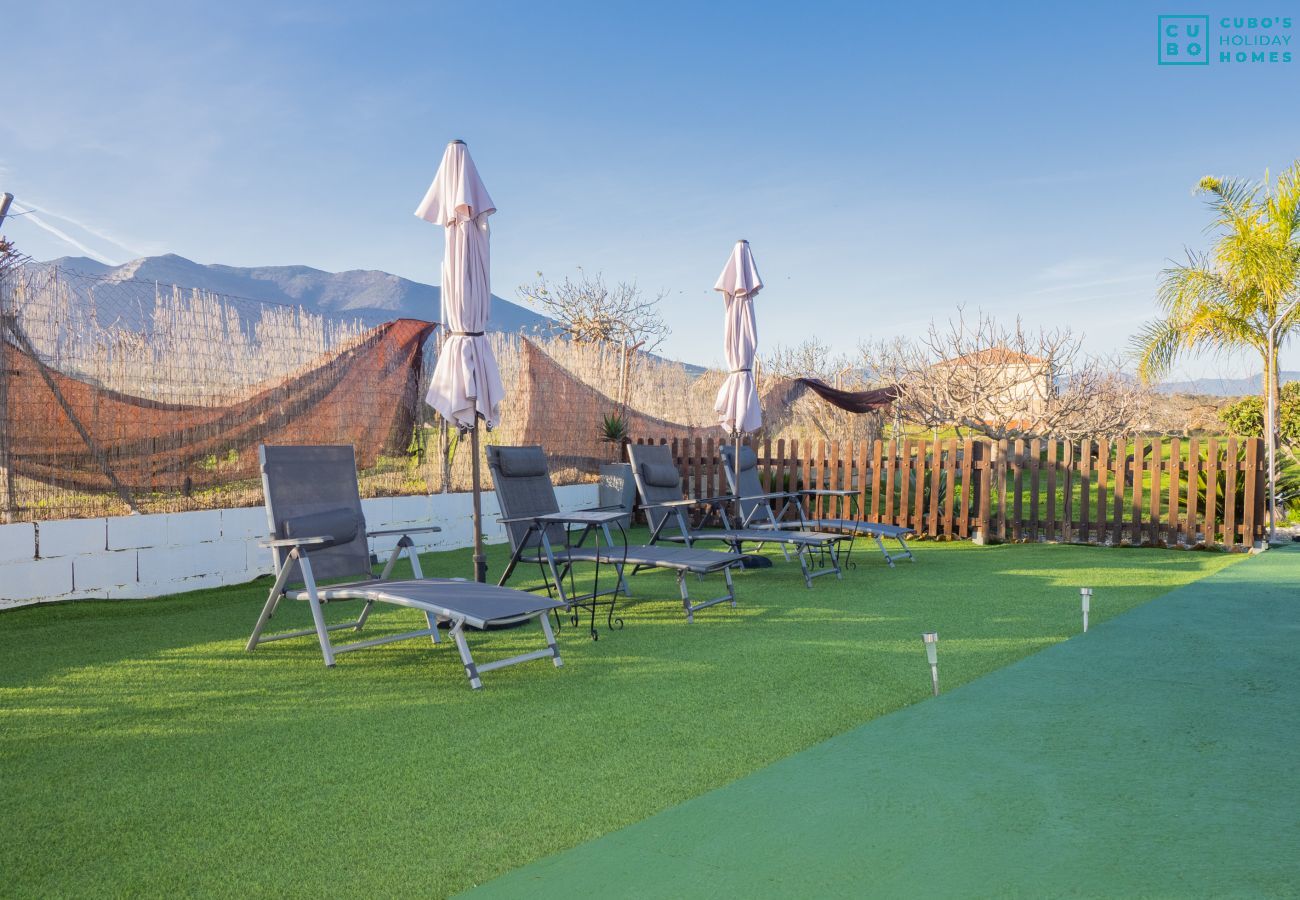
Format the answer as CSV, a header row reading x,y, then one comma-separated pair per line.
x,y
1085,594
931,639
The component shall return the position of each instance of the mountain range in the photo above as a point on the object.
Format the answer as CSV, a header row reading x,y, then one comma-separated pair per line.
x,y
368,295
1223,387
373,297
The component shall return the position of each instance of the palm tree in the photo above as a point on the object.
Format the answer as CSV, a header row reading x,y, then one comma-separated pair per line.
x,y
1244,294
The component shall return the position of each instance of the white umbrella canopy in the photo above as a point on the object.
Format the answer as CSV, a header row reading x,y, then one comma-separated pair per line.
x,y
737,403
466,383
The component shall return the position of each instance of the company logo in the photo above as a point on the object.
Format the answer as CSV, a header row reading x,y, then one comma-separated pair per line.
x,y
1250,40
1183,40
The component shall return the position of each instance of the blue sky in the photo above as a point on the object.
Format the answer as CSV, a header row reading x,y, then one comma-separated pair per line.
x,y
886,162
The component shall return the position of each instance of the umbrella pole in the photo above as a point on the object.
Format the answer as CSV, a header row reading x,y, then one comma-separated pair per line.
x,y
480,561
735,464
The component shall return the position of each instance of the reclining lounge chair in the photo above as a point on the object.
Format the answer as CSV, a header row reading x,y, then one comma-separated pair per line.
x,y
756,509
660,486
540,533
318,531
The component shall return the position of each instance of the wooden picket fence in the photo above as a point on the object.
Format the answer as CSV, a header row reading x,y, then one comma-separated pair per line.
x,y
1161,491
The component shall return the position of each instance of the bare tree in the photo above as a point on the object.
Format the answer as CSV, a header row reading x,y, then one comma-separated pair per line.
x,y
588,310
1007,381
804,411
10,258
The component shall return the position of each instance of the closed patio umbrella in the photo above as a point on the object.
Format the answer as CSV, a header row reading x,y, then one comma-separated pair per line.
x,y
737,403
466,384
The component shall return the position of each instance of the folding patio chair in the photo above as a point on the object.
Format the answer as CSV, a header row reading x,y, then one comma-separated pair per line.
x,y
318,531
756,507
660,486
540,533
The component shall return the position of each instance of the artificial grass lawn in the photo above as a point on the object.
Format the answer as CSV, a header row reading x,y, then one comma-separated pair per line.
x,y
1153,757
144,751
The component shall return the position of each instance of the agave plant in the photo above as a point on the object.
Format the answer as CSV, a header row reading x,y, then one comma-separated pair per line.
x,y
613,428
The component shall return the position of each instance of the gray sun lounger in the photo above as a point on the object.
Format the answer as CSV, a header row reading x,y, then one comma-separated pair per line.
x,y
878,531
660,486
540,533
756,507
318,532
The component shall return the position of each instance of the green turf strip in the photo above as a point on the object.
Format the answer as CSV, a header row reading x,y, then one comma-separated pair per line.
x,y
1154,756
143,751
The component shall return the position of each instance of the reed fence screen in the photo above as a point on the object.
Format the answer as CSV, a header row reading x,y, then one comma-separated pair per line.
x,y
119,395
1160,491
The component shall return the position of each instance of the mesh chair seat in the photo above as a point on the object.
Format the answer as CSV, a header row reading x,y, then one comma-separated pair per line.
x,y
754,535
855,525
699,562
446,598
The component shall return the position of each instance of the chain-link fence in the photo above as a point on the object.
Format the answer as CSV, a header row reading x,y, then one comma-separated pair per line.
x,y
119,395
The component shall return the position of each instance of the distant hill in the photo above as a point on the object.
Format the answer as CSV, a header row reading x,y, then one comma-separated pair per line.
x,y
368,295
1222,387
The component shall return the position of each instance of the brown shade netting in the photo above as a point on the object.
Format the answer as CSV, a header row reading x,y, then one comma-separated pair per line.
x,y
851,401
68,432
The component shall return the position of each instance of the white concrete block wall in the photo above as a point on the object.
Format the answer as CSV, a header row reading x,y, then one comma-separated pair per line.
x,y
102,571
34,580
135,532
17,542
155,555
71,537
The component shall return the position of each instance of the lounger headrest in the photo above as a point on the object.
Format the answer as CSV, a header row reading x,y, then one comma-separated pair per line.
x,y
339,525
521,462
748,458
660,475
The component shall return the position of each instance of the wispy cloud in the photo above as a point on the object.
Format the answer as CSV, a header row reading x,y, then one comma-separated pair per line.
x,y
1075,268
40,223
1071,287
89,229
1078,279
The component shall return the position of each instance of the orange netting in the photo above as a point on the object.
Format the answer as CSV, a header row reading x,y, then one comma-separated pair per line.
x,y
69,432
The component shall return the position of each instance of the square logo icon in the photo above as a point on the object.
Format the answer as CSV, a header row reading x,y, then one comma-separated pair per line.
x,y
1183,40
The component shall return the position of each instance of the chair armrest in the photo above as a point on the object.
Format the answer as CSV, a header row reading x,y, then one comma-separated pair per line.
x,y
422,529
272,543
666,504
714,501
822,492
773,495
515,520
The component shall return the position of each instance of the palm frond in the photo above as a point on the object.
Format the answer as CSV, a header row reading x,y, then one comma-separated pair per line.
x,y
1155,348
